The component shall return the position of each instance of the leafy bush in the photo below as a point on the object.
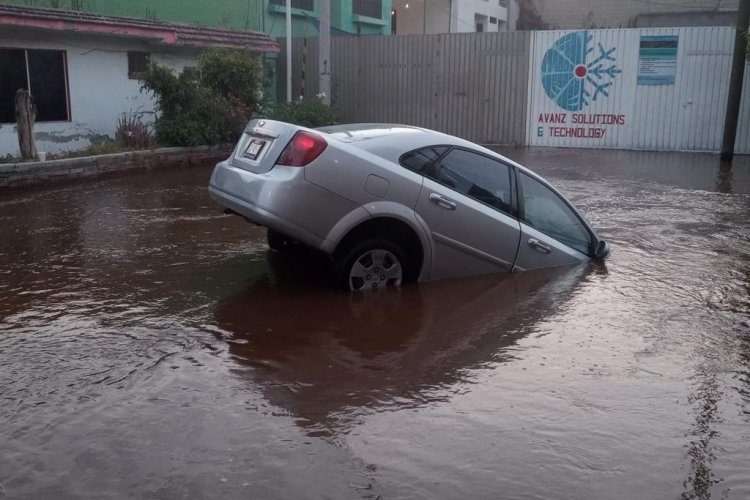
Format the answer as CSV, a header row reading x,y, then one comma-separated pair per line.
x,y
208,105
132,133
310,114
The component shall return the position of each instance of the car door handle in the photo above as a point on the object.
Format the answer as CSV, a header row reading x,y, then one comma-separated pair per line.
x,y
539,246
442,202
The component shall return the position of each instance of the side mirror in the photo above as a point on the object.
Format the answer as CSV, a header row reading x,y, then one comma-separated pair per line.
x,y
602,250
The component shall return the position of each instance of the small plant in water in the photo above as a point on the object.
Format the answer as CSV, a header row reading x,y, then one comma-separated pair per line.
x,y
132,133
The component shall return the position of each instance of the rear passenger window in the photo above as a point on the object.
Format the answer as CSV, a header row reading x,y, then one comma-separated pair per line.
x,y
420,160
482,178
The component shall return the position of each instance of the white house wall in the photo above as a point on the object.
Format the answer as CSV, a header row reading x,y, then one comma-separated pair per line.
x,y
447,16
99,90
422,16
464,12
686,115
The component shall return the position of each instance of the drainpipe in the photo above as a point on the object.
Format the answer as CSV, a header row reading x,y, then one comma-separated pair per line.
x,y
735,81
324,52
288,50
452,15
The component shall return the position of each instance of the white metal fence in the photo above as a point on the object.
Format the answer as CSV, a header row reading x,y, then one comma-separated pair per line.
x,y
471,85
650,89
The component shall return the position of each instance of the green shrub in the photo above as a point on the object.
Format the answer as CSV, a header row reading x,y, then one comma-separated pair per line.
x,y
183,131
208,105
310,114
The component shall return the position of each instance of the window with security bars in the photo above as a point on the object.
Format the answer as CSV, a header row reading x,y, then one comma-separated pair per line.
x,y
296,4
137,63
369,8
43,73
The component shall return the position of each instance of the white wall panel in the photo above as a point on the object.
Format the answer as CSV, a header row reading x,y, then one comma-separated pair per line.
x,y
591,108
689,114
685,115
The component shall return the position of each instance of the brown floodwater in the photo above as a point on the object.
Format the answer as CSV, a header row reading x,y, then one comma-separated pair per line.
x,y
151,347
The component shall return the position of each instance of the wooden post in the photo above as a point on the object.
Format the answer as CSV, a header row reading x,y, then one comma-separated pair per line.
x,y
25,116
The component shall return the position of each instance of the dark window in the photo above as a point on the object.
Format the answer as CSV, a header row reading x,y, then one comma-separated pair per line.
x,y
12,78
482,178
493,20
420,160
545,211
480,27
369,8
296,4
44,75
137,63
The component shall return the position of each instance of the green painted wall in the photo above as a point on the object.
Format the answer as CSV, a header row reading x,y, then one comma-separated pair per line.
x,y
257,15
342,20
237,14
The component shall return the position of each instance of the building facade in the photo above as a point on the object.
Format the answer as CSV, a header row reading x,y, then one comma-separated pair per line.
x,y
355,17
576,14
348,17
81,69
411,17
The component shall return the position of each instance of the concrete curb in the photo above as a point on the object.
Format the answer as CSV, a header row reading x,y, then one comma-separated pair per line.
x,y
14,175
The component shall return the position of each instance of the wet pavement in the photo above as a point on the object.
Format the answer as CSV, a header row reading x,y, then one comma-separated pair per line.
x,y
151,347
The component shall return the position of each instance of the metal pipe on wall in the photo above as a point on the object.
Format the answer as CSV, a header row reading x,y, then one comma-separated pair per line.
x,y
324,53
288,50
735,82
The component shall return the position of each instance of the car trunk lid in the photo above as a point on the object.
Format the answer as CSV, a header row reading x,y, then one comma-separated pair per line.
x,y
261,144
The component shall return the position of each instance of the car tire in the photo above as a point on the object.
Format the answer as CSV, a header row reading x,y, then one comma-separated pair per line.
x,y
277,241
370,265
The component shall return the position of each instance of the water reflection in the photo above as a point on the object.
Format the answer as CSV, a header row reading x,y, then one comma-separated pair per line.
x,y
328,358
724,178
701,448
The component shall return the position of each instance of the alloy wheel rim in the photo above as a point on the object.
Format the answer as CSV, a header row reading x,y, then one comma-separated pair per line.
x,y
375,269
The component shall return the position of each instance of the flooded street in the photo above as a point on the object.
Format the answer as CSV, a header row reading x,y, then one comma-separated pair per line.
x,y
151,347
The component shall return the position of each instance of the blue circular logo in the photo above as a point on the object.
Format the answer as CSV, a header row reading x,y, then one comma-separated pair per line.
x,y
570,79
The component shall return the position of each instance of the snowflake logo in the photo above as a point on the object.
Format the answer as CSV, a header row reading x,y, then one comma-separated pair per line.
x,y
567,77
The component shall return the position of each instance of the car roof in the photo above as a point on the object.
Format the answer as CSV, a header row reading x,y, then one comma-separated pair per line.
x,y
391,140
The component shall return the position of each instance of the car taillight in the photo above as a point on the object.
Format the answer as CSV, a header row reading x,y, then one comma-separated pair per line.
x,y
302,149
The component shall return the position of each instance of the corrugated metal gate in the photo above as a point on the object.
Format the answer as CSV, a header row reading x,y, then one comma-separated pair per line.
x,y
470,85
546,88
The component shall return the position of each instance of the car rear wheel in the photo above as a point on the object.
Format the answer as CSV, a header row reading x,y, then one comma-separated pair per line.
x,y
371,265
277,241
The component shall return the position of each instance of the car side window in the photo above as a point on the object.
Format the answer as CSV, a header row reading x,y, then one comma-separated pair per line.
x,y
420,160
545,211
482,178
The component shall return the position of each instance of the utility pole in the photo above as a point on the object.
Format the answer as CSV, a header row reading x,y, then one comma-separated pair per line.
x,y
735,82
324,53
288,50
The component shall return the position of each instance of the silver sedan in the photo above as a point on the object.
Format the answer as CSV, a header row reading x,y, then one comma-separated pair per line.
x,y
394,203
